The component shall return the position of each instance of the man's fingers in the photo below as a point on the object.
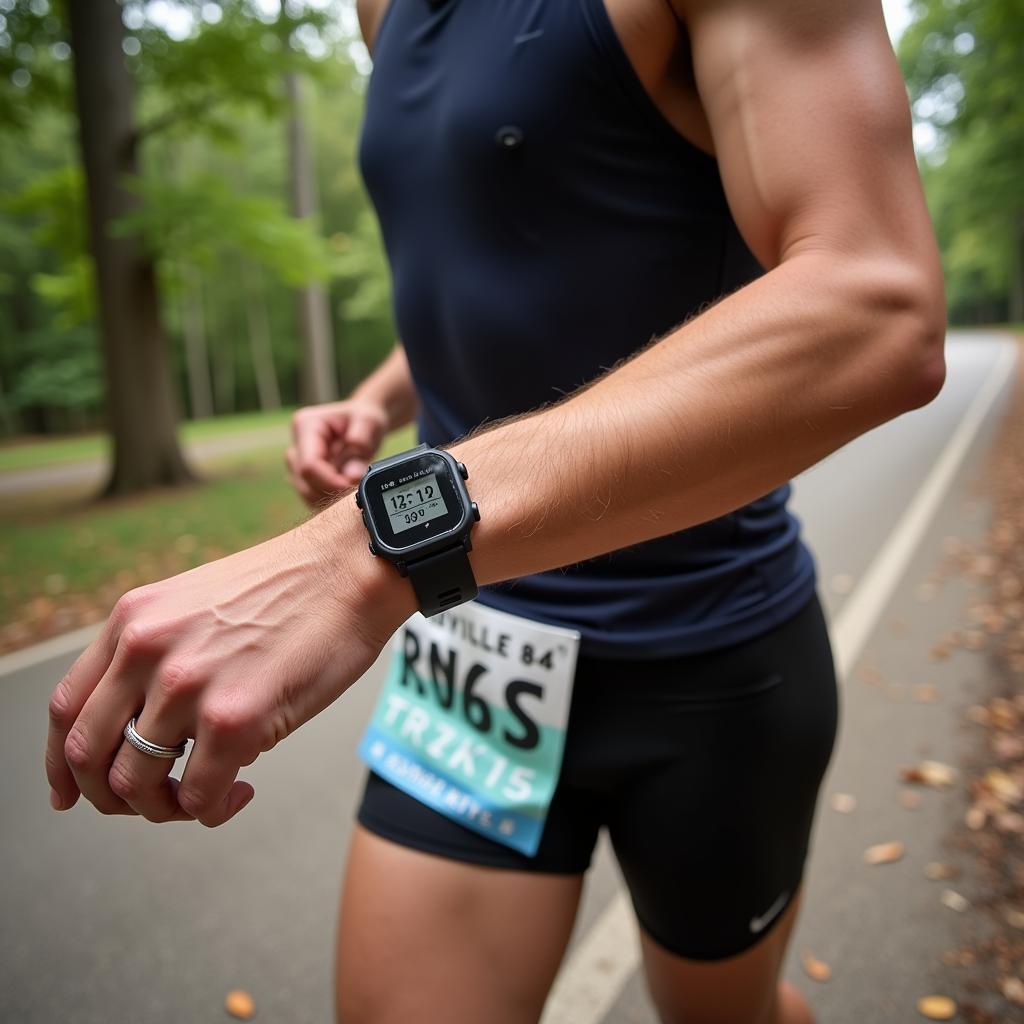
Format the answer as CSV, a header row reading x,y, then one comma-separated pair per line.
x,y
212,811
354,470
66,703
130,779
208,790
364,432
305,492
332,447
141,780
98,733
361,441
312,439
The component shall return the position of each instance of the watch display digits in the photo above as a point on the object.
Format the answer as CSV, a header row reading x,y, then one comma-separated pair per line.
x,y
413,503
418,514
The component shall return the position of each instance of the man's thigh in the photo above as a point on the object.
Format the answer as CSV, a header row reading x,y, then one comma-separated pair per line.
x,y
741,989
422,938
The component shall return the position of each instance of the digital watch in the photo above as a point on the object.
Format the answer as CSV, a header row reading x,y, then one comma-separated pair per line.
x,y
418,514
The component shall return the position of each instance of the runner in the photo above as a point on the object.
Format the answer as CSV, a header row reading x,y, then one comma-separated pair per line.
x,y
558,183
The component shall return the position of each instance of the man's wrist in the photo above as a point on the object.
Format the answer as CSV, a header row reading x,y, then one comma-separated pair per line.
x,y
367,397
371,587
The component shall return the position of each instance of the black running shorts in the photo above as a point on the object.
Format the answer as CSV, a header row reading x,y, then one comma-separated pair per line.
x,y
705,770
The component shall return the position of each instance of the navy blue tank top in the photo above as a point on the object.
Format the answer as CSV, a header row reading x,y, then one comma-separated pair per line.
x,y
543,221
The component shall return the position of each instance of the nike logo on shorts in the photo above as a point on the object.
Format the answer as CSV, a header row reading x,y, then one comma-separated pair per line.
x,y
758,924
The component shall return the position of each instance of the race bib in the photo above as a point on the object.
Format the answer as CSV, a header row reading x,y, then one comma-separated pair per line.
x,y
471,719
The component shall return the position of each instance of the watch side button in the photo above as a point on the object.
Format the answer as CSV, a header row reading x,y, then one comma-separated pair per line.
x,y
359,500
463,472
476,510
373,548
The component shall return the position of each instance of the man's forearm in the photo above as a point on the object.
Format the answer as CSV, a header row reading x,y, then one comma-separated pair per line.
x,y
391,387
713,416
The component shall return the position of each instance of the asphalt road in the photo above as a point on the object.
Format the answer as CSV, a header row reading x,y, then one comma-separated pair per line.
x,y
111,919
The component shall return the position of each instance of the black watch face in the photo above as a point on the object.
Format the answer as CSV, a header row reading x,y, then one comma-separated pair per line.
x,y
413,502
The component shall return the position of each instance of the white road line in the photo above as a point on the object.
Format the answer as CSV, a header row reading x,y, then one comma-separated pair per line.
x,y
859,614
600,965
66,643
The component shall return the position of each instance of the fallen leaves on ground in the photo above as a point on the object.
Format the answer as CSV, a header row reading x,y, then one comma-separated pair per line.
x,y
240,1004
988,642
954,900
1002,786
993,568
815,968
993,798
64,562
937,1007
1014,917
884,853
975,817
1013,990
940,872
929,773
843,803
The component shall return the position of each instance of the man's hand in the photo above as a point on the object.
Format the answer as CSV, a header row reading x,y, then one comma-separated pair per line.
x,y
237,653
332,445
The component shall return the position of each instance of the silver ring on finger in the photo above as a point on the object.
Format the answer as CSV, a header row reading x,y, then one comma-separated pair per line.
x,y
147,747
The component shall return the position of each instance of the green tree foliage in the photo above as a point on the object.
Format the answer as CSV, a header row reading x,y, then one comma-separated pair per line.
x,y
964,64
197,220
54,201
42,231
33,52
61,381
210,109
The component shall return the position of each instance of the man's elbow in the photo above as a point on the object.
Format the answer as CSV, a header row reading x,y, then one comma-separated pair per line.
x,y
922,362
912,308
926,373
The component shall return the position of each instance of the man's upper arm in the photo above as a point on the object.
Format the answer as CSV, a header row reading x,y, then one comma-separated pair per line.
x,y
812,129
370,14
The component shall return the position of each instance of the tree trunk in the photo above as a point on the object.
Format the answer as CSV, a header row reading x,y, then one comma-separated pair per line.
x,y
259,340
140,405
197,360
10,424
224,372
318,372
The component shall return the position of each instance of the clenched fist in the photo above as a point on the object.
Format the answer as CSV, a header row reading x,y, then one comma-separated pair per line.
x,y
332,445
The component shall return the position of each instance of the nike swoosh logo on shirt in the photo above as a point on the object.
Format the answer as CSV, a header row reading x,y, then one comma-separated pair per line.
x,y
758,924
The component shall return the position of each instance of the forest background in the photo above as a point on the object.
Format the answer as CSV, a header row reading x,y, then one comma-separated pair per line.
x,y
235,172
187,254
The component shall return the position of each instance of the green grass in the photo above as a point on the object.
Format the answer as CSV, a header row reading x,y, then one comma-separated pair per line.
x,y
30,453
66,568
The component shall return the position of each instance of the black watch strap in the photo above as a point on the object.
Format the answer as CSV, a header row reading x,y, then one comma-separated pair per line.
x,y
442,580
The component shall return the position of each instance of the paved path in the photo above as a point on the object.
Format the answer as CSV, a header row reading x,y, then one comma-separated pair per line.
x,y
99,912
883,929
87,474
